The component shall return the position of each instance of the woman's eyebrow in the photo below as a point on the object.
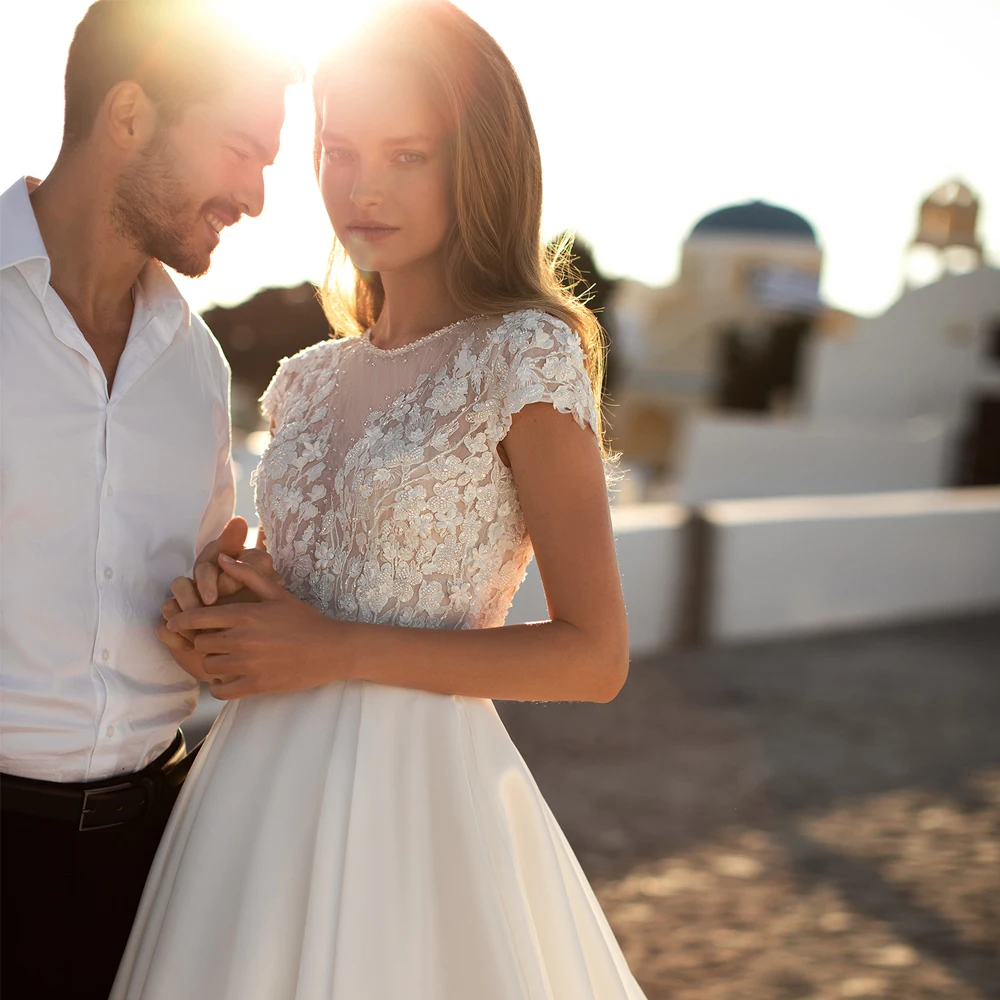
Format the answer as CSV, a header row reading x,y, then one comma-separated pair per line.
x,y
404,139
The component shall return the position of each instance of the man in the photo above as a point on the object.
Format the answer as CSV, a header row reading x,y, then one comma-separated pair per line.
x,y
116,465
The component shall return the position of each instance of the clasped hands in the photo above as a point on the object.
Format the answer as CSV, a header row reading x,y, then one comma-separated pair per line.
x,y
235,625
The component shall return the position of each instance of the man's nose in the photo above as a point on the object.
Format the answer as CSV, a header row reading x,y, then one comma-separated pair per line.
x,y
250,196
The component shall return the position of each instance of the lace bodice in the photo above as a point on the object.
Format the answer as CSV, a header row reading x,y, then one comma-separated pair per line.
x,y
381,494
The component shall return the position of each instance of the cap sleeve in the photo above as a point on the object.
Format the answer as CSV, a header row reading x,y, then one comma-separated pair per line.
x,y
274,402
546,364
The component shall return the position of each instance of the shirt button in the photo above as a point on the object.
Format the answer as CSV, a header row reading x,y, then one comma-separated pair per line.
x,y
105,654
108,572
111,731
111,490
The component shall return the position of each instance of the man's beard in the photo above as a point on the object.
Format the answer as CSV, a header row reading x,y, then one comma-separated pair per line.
x,y
154,214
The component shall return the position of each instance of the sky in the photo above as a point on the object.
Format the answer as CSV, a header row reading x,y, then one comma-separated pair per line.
x,y
650,114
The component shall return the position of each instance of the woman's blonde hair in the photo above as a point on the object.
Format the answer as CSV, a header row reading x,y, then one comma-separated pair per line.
x,y
495,259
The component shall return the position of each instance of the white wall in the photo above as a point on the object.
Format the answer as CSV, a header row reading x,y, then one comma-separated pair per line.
x,y
920,358
652,559
728,457
782,567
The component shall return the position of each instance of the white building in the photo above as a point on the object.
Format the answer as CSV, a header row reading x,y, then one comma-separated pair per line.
x,y
745,266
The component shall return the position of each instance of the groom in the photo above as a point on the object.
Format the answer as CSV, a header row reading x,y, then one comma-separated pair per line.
x,y
116,465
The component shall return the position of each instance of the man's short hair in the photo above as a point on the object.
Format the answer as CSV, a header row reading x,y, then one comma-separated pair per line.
x,y
180,52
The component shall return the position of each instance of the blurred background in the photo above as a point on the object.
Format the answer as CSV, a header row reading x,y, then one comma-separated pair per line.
x,y
788,215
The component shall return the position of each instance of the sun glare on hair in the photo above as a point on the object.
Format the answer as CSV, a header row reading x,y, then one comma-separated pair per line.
x,y
302,29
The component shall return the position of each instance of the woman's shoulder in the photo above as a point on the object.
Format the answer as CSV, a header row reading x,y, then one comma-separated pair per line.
x,y
532,331
316,358
313,356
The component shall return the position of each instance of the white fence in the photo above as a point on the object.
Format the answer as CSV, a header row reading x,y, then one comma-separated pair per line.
x,y
650,539
787,566
738,457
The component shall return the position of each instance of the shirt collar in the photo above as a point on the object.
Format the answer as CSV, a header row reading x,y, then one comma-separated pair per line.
x,y
21,241
21,245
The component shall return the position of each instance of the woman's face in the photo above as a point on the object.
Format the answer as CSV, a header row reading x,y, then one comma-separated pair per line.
x,y
384,169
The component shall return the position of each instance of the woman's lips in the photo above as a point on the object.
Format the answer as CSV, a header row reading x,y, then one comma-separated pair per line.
x,y
371,233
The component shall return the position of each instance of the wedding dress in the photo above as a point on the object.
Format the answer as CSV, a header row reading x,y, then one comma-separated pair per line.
x,y
363,842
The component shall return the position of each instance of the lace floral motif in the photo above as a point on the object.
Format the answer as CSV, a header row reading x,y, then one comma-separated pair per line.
x,y
414,520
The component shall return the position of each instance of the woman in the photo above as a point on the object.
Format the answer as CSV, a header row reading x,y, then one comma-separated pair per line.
x,y
364,828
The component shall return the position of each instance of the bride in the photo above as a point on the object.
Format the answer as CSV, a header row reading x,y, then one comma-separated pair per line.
x,y
358,825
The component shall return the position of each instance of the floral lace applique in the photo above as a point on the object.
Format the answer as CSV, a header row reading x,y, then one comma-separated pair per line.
x,y
396,508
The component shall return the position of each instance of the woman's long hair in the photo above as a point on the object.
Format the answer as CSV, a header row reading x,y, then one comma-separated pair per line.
x,y
495,259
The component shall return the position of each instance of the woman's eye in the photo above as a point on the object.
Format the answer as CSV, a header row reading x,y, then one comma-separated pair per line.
x,y
410,157
337,153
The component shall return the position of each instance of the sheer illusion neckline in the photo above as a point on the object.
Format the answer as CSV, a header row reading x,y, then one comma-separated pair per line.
x,y
366,337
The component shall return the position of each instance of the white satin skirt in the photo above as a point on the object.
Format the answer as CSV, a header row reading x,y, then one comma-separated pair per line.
x,y
361,842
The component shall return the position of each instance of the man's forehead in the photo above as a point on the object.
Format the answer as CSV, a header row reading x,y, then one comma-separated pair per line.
x,y
257,113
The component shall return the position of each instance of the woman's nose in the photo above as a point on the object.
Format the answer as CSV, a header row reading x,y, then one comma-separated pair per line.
x,y
368,189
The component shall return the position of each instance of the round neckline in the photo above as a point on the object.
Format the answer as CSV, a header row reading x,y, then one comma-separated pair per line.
x,y
366,337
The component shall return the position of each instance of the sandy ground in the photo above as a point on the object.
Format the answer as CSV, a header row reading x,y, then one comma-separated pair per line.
x,y
808,820
796,821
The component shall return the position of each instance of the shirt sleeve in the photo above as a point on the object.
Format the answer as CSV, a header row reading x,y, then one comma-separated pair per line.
x,y
545,364
223,500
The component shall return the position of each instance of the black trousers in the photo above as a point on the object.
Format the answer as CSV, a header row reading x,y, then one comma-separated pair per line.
x,y
68,899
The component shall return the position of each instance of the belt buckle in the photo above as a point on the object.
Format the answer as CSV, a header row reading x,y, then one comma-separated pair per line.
x,y
84,826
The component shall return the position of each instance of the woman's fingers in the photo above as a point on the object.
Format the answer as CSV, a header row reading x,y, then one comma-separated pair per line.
x,y
216,616
260,560
228,688
214,642
224,682
224,585
265,586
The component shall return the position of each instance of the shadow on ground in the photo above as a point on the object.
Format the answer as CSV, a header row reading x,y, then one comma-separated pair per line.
x,y
797,820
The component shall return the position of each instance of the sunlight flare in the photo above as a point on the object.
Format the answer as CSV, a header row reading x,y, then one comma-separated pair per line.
x,y
303,29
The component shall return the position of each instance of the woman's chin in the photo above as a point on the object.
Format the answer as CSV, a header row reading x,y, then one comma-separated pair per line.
x,y
364,260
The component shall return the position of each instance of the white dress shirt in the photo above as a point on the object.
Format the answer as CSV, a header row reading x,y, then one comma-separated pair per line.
x,y
103,501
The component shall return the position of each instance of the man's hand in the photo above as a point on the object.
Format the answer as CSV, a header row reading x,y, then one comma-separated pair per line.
x,y
187,595
181,644
206,566
278,644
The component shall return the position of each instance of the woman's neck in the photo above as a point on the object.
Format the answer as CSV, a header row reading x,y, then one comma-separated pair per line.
x,y
417,304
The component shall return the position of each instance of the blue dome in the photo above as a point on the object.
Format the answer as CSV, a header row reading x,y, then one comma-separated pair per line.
x,y
756,218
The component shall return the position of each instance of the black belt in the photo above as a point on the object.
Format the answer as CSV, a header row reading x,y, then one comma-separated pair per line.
x,y
97,805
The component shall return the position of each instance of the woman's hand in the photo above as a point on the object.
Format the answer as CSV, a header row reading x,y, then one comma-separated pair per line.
x,y
277,644
186,593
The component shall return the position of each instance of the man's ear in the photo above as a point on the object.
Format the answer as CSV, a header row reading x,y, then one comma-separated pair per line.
x,y
128,115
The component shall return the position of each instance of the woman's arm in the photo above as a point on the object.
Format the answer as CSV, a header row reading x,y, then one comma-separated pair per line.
x,y
283,644
581,654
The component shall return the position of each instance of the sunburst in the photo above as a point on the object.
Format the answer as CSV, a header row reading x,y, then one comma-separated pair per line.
x,y
302,29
